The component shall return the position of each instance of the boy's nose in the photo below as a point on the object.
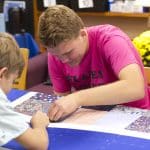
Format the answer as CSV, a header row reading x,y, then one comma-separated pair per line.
x,y
65,60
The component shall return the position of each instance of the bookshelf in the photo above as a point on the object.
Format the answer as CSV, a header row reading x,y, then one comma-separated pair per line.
x,y
115,14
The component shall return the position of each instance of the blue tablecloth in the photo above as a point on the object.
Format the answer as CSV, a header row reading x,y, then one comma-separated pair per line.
x,y
72,139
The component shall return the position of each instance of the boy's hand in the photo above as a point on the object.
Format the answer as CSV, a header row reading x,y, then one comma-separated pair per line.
x,y
62,107
39,120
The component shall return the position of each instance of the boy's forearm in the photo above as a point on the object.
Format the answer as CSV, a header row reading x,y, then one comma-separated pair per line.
x,y
114,93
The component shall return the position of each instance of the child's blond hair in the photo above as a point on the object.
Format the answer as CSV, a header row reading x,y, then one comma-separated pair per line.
x,y
57,24
10,54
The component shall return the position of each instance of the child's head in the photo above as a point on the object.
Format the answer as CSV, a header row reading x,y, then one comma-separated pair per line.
x,y
58,24
62,32
11,60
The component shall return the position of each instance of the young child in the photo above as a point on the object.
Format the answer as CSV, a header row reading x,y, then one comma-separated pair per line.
x,y
12,124
100,63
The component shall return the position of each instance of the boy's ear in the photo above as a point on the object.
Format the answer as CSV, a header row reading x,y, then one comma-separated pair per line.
x,y
3,72
83,32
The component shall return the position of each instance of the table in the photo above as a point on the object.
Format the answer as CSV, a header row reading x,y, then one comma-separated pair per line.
x,y
74,139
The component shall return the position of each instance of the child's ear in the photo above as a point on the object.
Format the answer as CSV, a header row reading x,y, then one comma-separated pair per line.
x,y
83,32
3,72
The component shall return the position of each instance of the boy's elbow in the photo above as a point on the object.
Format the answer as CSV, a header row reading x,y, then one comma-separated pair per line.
x,y
139,92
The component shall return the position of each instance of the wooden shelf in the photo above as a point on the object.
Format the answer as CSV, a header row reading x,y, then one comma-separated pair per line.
x,y
115,14
37,13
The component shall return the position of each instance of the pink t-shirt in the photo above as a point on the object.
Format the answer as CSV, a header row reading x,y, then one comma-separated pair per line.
x,y
109,51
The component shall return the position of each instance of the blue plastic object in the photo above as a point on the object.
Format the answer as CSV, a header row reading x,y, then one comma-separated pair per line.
x,y
25,40
14,94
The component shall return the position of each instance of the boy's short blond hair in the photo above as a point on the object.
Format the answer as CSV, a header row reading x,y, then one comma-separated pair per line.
x,y
10,54
57,24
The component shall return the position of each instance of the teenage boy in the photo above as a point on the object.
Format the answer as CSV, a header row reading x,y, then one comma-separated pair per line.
x,y
99,63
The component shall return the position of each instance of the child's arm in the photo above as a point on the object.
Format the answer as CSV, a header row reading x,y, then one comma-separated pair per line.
x,y
36,138
129,87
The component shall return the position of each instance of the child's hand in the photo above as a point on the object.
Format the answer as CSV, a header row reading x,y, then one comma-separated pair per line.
x,y
39,119
62,107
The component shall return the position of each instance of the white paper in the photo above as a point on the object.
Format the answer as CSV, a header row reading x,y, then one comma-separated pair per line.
x,y
49,3
116,122
2,23
146,3
85,3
